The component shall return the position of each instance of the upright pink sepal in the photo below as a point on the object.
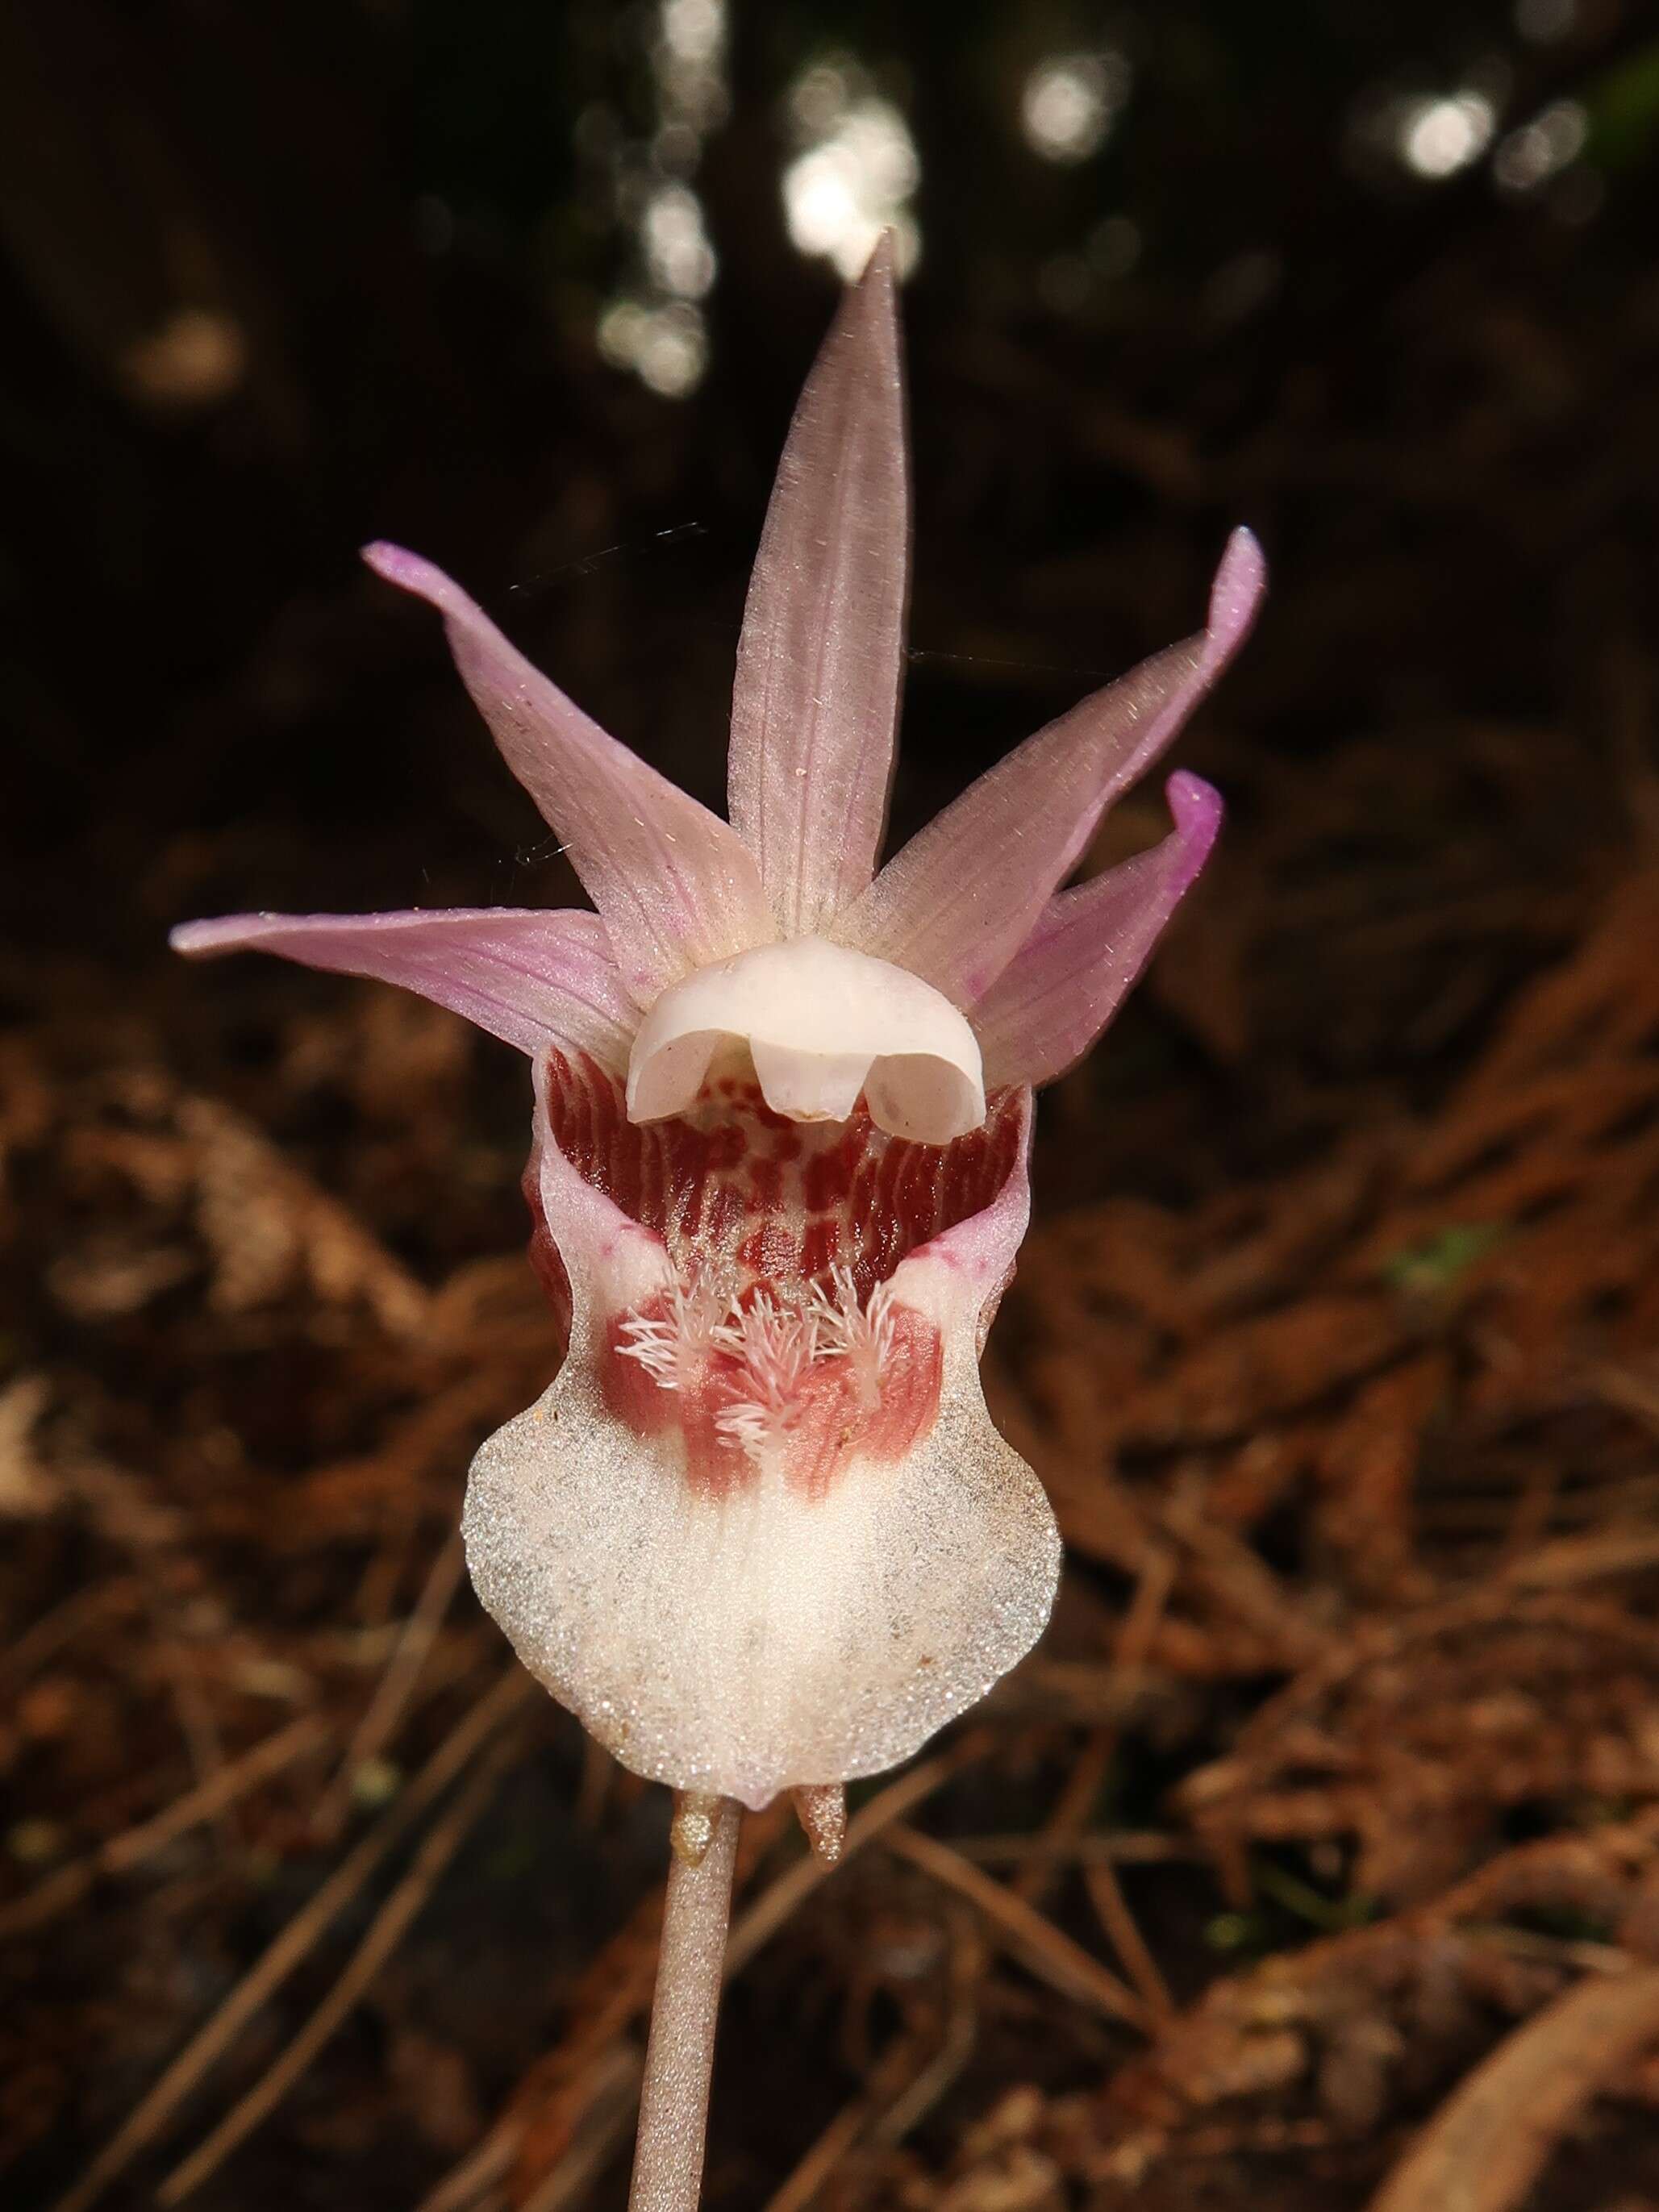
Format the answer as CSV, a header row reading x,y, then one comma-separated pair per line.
x,y
533,979
1069,978
955,905
815,705
675,886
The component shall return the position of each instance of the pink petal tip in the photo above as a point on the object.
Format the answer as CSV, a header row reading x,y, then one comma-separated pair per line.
x,y
1089,945
193,938
410,573
1235,596
882,264
1197,808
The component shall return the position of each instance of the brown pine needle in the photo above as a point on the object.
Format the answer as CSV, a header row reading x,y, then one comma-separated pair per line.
x,y
1487,2145
385,1931
790,1890
134,1845
898,2065
610,2116
956,2046
1043,1949
802,2186
476,2175
1069,1815
1123,1932
385,1709
1113,1846
214,2038
64,1622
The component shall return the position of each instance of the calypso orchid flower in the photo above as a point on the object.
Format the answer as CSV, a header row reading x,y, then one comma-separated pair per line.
x,y
760,1532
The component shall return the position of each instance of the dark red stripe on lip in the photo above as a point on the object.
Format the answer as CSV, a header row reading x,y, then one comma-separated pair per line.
x,y
709,1180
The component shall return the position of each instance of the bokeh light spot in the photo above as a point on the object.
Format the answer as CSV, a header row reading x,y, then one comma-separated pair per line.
x,y
1542,148
1070,102
1542,21
856,172
1438,137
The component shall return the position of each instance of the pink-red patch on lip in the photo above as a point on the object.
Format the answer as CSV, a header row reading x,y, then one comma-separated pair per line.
x,y
777,1345
837,1407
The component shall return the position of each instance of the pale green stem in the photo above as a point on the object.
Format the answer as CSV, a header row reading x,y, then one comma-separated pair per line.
x,y
674,2099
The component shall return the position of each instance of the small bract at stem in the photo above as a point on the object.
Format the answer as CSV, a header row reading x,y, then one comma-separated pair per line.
x,y
679,2060
821,1807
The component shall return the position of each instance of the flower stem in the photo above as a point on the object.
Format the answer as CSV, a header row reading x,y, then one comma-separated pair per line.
x,y
674,2101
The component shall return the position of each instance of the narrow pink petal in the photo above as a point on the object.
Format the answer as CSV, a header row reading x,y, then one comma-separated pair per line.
x,y
533,979
955,905
675,886
1074,972
816,702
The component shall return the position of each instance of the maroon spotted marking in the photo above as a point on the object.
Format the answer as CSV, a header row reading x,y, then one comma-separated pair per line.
x,y
735,1179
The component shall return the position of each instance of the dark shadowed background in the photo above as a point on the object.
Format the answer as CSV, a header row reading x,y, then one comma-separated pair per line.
x,y
1337,1780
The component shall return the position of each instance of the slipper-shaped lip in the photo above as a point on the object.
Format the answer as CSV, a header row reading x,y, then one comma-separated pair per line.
x,y
749,1640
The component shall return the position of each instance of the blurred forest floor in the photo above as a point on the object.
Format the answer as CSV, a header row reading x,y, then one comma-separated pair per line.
x,y
1312,1863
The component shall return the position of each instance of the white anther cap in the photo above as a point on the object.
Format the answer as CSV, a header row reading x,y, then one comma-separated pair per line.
x,y
822,1024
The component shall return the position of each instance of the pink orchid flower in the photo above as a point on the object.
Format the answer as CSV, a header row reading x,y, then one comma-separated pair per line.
x,y
761,1533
